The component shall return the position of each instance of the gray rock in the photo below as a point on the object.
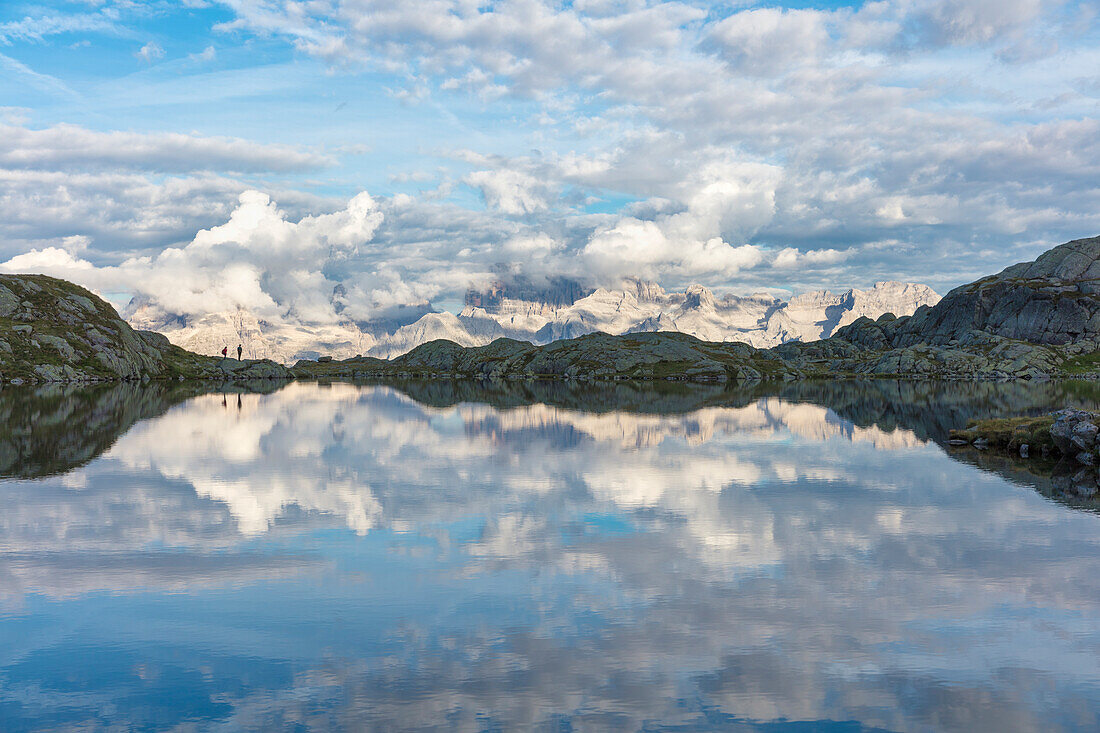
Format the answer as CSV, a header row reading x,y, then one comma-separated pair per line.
x,y
1061,432
82,303
68,353
1024,450
9,303
1083,435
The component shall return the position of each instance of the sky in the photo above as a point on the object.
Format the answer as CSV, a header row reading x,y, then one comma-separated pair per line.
x,y
326,159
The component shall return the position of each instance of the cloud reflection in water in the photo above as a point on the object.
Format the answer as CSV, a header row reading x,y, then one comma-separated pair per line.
x,y
347,557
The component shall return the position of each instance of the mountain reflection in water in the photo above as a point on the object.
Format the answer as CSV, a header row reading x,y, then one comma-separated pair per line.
x,y
516,555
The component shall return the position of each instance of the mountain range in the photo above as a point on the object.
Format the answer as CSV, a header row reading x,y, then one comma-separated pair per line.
x,y
560,309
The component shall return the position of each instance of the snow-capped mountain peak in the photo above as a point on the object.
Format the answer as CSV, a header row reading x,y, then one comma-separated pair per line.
x,y
566,310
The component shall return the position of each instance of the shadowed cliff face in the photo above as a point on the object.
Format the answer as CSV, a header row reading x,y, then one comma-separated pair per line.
x,y
50,430
1052,300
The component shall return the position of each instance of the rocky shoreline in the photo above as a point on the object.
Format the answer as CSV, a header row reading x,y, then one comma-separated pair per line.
x,y
1065,441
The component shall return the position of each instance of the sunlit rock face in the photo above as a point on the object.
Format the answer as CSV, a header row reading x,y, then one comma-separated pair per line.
x,y
542,316
349,557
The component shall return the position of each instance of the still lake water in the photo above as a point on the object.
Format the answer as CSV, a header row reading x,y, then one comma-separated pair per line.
x,y
803,557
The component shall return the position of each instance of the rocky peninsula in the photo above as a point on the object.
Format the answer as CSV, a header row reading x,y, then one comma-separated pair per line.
x,y
1035,320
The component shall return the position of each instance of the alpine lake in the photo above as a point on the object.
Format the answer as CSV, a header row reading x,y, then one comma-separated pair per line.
x,y
539,556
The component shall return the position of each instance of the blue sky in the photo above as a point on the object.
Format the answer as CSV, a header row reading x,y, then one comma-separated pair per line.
x,y
744,146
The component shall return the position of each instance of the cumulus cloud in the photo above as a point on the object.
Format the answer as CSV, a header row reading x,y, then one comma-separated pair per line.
x,y
509,191
745,147
257,260
959,22
150,52
724,200
770,40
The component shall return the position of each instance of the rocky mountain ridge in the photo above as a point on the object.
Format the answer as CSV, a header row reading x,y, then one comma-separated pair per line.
x,y
972,333
563,311
1034,320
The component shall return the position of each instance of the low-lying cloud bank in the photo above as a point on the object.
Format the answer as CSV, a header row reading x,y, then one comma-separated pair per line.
x,y
333,267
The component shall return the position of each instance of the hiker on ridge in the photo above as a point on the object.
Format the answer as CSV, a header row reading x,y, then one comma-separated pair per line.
x,y
239,350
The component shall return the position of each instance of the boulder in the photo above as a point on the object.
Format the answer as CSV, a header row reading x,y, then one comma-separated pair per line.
x,y
1083,435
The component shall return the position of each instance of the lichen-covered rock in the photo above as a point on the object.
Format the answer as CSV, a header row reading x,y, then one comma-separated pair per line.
x,y
1074,433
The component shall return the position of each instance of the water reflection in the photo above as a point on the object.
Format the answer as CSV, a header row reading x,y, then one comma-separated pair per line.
x,y
366,557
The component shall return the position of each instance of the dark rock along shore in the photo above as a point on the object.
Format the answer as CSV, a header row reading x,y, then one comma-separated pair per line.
x,y
1034,320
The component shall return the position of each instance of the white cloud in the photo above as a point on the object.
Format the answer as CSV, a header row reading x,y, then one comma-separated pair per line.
x,y
974,21
71,147
207,54
150,52
509,191
746,147
771,40
38,29
257,260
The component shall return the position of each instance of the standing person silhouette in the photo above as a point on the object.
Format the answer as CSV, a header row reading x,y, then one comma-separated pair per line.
x,y
225,352
239,350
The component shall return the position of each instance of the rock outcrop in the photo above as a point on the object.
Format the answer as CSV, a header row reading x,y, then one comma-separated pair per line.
x,y
1033,320
54,331
1052,300
594,356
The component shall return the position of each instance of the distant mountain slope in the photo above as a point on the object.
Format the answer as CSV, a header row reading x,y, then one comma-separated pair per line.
x,y
561,312
1035,320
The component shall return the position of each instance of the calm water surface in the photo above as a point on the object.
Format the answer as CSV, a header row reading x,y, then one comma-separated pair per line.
x,y
808,557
